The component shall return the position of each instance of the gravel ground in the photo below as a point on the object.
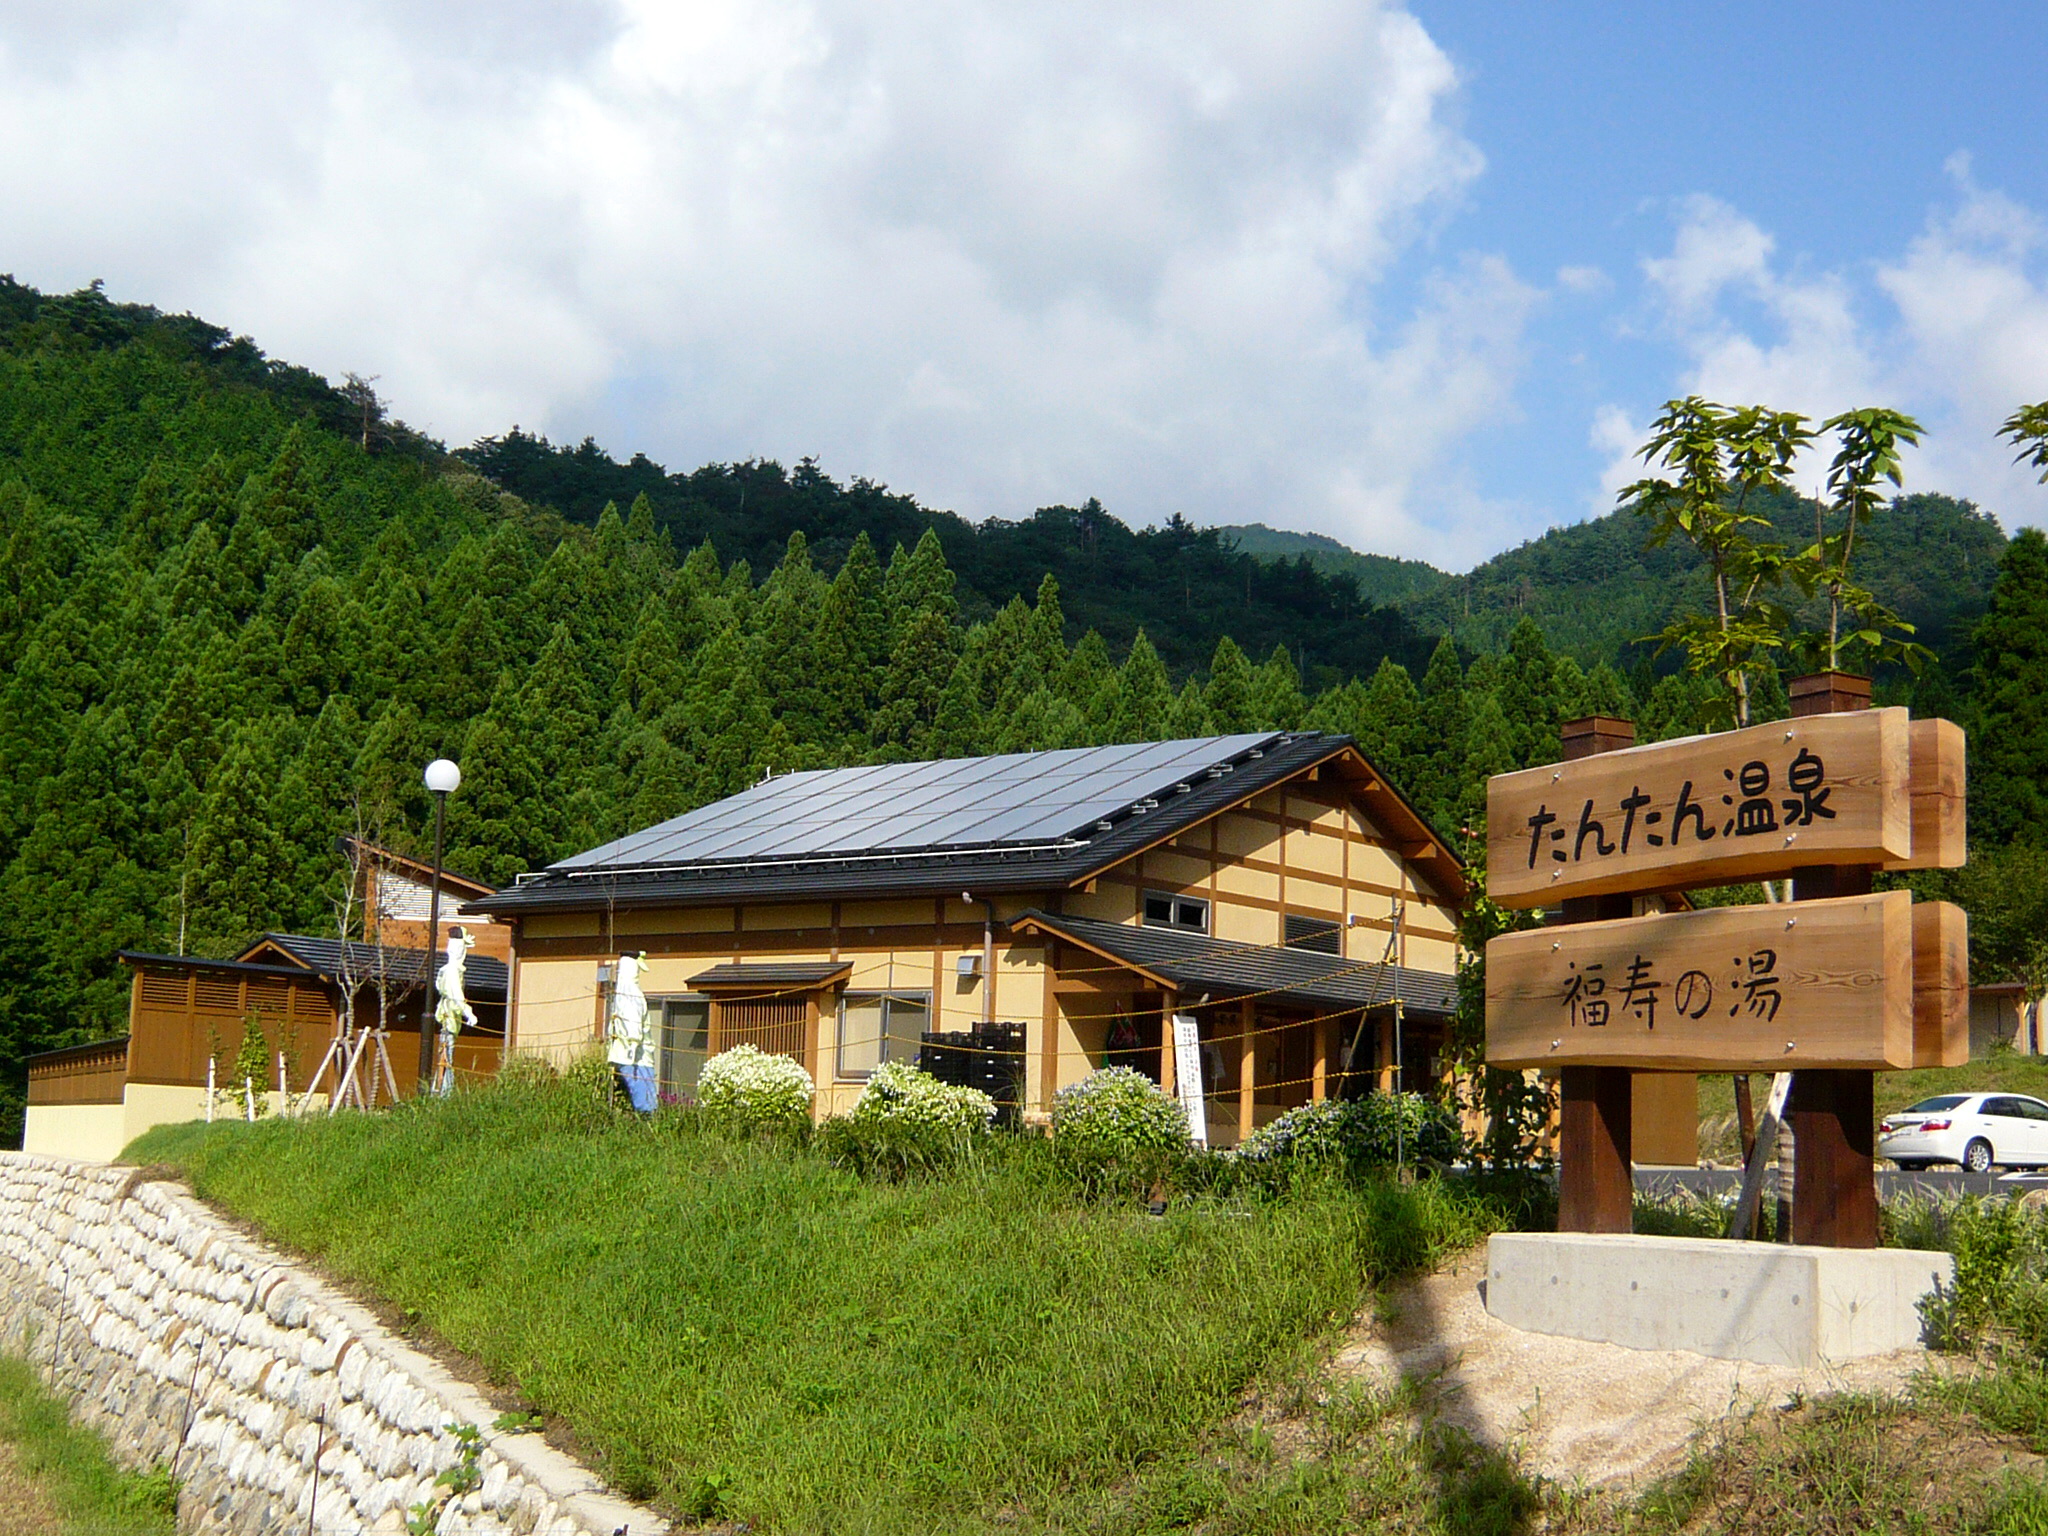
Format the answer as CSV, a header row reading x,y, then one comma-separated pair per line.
x,y
1579,1413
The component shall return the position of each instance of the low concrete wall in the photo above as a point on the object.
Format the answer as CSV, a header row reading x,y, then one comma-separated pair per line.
x,y
96,1133
186,1342
1777,1304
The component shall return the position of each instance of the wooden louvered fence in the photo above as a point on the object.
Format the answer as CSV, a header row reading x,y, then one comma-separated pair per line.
x,y
180,1017
781,1026
83,1074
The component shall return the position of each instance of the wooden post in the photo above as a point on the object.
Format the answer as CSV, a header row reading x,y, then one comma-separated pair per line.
x,y
1168,1002
1248,1067
1832,1113
1595,1179
1319,1069
1383,1055
1049,1039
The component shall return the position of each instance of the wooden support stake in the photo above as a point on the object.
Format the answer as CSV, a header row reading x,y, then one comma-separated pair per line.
x,y
1168,1003
1595,1179
1831,1113
1248,1066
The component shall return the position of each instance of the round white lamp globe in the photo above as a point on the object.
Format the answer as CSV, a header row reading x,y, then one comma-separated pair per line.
x,y
442,776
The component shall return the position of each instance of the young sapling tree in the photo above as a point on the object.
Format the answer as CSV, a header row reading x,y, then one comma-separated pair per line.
x,y
1720,461
1867,458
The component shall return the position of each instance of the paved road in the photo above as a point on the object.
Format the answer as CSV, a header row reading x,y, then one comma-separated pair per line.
x,y
1892,1183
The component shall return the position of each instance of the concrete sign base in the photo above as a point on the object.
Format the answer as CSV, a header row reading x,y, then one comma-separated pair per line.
x,y
1776,1304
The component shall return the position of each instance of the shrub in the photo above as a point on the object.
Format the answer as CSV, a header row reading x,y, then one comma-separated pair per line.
x,y
748,1089
2000,1294
1115,1126
900,1094
1355,1135
905,1120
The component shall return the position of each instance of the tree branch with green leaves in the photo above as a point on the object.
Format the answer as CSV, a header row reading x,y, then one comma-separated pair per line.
x,y
2027,430
1718,461
1867,458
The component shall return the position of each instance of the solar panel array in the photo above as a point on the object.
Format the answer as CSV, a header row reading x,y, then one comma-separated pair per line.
x,y
969,802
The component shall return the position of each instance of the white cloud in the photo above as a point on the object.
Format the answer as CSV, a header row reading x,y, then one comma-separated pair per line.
x,y
1953,330
995,254
1615,437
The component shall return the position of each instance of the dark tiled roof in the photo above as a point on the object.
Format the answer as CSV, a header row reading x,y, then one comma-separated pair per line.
x,y
144,957
485,978
1179,800
1196,963
771,974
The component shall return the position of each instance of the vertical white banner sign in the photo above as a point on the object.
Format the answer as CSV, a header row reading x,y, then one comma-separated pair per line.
x,y
1187,1075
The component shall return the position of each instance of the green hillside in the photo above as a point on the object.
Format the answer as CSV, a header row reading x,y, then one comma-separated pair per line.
x,y
1595,590
1380,578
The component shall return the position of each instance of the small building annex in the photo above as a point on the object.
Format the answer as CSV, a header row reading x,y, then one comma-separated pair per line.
x,y
188,1011
1056,907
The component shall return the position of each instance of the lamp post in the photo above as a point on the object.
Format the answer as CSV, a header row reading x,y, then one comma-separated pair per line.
x,y
441,777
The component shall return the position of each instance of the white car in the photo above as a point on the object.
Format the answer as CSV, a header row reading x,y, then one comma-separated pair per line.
x,y
1977,1130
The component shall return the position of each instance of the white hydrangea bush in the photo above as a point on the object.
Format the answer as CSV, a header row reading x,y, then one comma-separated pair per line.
x,y
899,1094
1116,1119
748,1087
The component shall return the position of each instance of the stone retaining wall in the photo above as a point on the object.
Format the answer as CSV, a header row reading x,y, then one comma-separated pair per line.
x,y
188,1343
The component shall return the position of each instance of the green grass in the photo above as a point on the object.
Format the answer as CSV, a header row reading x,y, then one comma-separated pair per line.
x,y
92,1496
739,1329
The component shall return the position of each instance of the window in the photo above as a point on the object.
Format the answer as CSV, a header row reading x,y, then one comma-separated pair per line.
x,y
875,1027
1316,933
684,1039
1163,909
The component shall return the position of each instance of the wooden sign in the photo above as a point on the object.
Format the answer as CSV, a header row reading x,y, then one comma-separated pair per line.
x,y
1938,793
1775,987
1706,810
1941,984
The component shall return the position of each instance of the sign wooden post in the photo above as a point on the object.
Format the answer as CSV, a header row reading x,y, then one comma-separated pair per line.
x,y
1831,987
1596,1131
1832,1110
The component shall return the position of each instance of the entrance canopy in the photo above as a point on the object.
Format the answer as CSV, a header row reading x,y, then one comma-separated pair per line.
x,y
1190,963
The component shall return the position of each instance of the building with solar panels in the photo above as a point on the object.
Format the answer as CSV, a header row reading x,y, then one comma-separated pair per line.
x,y
1021,920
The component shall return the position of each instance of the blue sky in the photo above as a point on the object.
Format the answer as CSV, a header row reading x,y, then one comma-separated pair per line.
x,y
1832,128
1412,276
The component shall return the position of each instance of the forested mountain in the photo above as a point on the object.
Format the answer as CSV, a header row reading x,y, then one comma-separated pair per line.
x,y
239,611
1595,589
1380,578
1186,587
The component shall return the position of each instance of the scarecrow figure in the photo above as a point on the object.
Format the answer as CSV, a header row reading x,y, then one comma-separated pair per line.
x,y
629,1049
451,1011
